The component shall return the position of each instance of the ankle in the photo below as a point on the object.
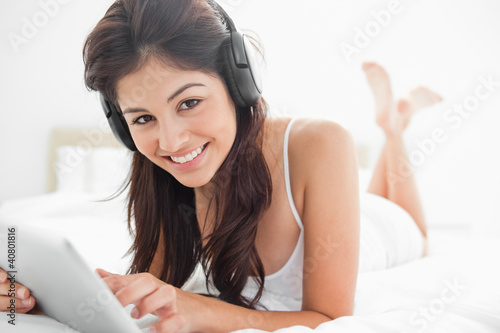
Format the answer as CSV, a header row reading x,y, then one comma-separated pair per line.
x,y
393,135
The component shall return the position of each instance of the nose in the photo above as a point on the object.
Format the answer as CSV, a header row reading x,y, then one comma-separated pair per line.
x,y
172,135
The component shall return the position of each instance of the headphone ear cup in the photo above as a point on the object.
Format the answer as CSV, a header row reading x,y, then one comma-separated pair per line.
x,y
117,123
231,83
242,78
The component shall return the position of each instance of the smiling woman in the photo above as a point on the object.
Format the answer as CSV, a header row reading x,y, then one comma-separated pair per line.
x,y
260,213
212,175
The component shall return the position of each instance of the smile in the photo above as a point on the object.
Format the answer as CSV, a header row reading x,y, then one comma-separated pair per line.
x,y
189,157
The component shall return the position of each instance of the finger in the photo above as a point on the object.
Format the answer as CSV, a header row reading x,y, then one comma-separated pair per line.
x,y
3,276
102,273
36,310
138,289
16,304
117,282
172,324
163,303
14,290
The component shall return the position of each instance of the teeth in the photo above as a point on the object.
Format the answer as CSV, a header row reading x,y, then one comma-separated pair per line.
x,y
188,157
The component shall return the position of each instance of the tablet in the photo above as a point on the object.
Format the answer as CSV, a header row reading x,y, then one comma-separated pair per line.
x,y
64,286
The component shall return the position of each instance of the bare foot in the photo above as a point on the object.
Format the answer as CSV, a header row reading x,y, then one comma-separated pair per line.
x,y
386,113
394,118
418,98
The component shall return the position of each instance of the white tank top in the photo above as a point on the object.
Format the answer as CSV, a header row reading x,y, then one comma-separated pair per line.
x,y
282,289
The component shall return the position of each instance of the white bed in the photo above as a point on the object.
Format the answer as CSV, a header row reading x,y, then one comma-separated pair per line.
x,y
453,289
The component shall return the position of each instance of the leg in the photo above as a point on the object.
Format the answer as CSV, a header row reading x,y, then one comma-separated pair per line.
x,y
378,183
402,189
393,119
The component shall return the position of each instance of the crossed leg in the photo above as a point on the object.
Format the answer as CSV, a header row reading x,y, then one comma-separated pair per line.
x,y
393,117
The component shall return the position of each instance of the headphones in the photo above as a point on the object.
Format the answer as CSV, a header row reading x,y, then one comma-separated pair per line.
x,y
242,79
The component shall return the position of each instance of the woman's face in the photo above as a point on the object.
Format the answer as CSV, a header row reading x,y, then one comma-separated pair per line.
x,y
183,121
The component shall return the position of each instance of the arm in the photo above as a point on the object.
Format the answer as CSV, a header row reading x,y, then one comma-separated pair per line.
x,y
325,153
182,311
221,317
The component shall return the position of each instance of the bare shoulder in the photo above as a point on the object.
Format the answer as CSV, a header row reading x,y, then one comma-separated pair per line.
x,y
311,134
318,141
307,135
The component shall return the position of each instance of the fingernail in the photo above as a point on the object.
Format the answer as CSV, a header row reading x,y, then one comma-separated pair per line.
x,y
152,329
22,292
26,302
135,313
3,276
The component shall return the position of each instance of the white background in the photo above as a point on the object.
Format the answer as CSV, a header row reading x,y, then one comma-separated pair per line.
x,y
444,44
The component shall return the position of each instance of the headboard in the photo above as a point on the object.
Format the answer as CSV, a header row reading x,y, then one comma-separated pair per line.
x,y
77,137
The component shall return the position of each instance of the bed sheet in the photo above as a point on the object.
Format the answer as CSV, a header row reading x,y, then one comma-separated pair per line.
x,y
453,289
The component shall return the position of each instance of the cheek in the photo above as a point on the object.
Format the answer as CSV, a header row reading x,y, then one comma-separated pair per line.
x,y
222,120
144,143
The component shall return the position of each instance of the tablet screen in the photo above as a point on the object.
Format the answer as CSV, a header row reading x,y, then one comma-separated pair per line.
x,y
64,286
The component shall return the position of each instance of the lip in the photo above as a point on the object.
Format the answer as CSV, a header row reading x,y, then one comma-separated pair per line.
x,y
188,165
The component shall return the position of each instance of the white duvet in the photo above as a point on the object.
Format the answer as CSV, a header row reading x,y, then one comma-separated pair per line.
x,y
454,289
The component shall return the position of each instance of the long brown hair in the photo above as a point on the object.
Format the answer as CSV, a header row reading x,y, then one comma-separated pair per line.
x,y
186,34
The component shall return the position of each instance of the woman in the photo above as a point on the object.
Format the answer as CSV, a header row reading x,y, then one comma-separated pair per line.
x,y
215,187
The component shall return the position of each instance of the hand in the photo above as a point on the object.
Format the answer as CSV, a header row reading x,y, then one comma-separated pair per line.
x,y
150,295
23,302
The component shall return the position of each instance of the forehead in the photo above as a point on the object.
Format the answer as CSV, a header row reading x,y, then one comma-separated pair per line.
x,y
155,77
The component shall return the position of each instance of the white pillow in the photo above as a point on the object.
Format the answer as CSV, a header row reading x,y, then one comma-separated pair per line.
x,y
70,168
107,169
96,170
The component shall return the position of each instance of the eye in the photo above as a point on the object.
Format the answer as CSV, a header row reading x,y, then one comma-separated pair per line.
x,y
142,120
189,104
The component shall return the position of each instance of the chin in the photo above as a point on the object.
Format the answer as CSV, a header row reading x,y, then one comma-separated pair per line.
x,y
193,183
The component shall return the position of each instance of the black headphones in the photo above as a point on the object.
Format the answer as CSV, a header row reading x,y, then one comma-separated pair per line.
x,y
242,78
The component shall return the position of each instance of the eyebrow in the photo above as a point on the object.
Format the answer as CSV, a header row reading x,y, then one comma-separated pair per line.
x,y
174,95
183,88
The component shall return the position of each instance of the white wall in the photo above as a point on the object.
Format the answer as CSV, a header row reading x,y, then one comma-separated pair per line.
x,y
447,45
41,86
